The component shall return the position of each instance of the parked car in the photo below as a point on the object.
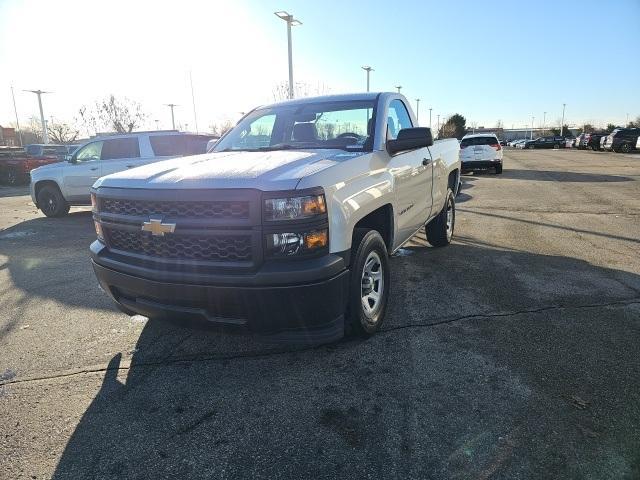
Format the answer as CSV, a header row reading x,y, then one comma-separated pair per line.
x,y
603,139
15,168
54,188
286,228
638,143
592,140
555,142
518,143
622,140
481,151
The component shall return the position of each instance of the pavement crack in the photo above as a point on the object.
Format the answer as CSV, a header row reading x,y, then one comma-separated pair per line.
x,y
284,351
630,301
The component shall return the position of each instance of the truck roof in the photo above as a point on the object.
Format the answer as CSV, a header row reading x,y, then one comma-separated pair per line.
x,y
329,98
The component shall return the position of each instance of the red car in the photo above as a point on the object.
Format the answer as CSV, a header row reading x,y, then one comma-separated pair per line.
x,y
15,164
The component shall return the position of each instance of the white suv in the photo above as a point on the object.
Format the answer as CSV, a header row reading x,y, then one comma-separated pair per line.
x,y
481,152
57,186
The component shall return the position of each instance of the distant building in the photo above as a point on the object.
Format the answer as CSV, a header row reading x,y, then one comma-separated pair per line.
x,y
8,137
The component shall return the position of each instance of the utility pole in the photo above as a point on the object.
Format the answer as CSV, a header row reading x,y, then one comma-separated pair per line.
x,y
193,102
417,110
45,133
399,87
430,108
15,110
562,123
532,120
173,118
544,121
367,69
157,124
438,136
291,22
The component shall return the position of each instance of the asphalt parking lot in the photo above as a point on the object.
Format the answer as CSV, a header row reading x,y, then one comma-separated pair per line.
x,y
512,353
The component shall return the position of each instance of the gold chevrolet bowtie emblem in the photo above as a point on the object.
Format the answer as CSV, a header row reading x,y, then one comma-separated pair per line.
x,y
157,228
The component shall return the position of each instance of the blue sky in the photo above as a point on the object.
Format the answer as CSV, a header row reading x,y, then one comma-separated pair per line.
x,y
487,60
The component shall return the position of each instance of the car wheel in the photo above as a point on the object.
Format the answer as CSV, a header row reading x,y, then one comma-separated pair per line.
x,y
556,147
51,202
369,284
498,169
625,148
12,177
531,147
440,229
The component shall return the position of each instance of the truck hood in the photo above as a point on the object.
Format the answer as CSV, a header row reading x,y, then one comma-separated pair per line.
x,y
48,168
272,170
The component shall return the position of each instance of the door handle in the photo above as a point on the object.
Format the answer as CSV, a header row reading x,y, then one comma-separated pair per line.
x,y
130,166
93,169
426,161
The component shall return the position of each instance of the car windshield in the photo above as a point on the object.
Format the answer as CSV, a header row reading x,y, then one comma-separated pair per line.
x,y
343,124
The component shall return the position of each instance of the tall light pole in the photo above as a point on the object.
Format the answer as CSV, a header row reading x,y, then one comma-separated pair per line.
x,y
291,22
15,110
438,133
367,69
417,110
562,123
544,121
45,133
399,87
157,124
193,102
173,118
532,120
430,108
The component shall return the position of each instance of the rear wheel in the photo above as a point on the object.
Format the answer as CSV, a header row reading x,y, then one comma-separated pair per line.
x,y
440,229
12,177
625,148
498,169
51,202
369,284
556,147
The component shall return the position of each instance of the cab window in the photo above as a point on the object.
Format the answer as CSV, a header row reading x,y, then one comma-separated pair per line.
x,y
120,148
89,152
397,120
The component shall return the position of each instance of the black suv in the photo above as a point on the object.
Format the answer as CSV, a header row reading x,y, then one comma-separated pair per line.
x,y
592,140
622,140
546,142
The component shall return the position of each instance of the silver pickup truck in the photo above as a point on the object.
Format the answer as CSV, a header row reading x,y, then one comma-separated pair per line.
x,y
286,227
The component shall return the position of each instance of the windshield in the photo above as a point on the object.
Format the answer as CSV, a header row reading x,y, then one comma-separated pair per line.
x,y
347,125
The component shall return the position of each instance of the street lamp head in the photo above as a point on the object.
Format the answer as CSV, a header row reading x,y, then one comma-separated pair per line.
x,y
367,68
283,15
287,17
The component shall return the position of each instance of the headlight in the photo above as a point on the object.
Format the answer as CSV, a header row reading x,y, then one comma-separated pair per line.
x,y
94,202
294,208
289,243
99,230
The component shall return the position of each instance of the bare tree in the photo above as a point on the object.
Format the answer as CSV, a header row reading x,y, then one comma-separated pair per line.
x,y
300,90
112,114
220,128
499,124
60,132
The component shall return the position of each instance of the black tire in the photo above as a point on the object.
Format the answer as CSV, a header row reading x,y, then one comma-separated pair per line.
x,y
498,169
556,146
439,231
51,202
367,251
532,147
625,148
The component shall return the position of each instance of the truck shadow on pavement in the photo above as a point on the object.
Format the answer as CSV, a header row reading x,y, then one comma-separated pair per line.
x,y
559,176
535,354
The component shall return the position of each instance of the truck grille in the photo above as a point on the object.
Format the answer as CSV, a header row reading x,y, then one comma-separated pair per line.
x,y
231,248
210,210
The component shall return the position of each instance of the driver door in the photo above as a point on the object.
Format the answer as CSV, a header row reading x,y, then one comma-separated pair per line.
x,y
82,172
413,176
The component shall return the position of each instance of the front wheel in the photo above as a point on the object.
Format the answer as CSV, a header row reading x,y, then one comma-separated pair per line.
x,y
625,148
51,202
369,284
440,229
498,169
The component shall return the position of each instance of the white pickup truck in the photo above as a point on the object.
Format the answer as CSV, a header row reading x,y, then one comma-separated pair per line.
x,y
286,227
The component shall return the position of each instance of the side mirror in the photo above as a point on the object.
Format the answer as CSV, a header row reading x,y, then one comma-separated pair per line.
x,y
410,139
71,159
